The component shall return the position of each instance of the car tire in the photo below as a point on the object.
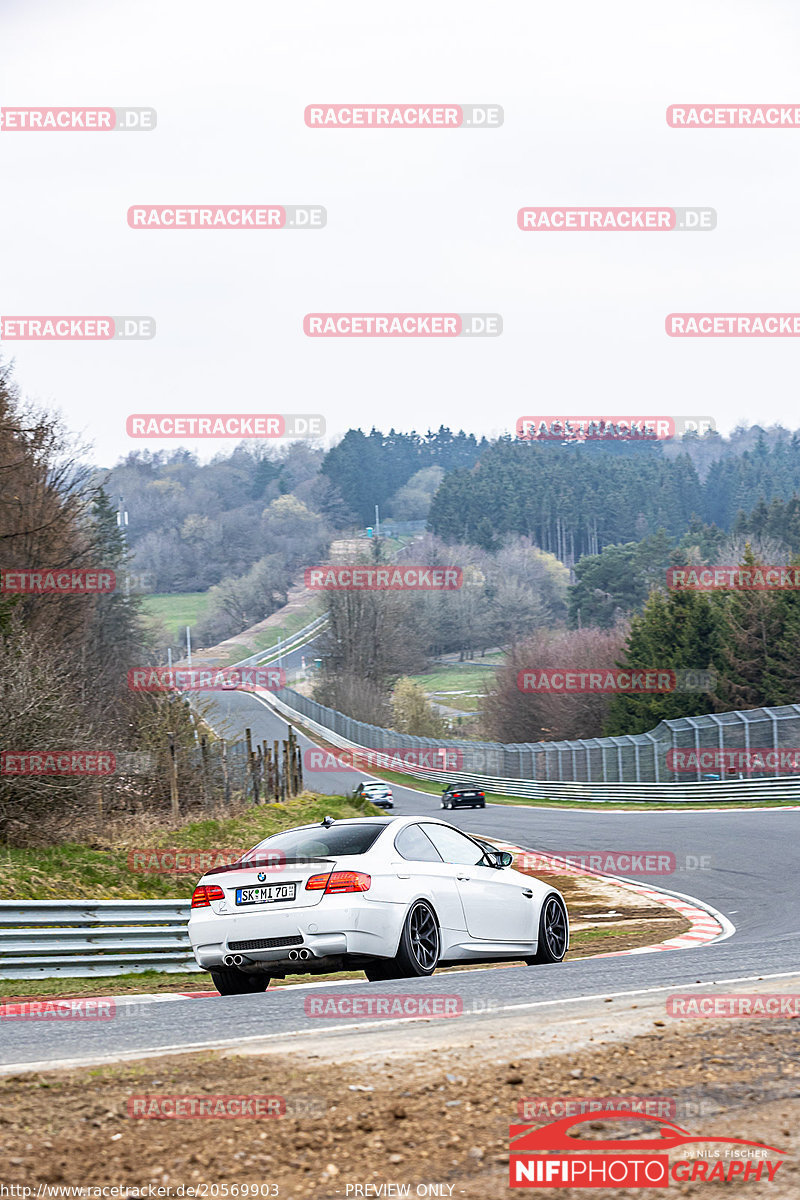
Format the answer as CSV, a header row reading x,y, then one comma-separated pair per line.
x,y
553,929
381,969
409,961
482,805
231,982
420,942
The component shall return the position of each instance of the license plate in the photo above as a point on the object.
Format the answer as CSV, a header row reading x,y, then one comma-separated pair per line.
x,y
269,894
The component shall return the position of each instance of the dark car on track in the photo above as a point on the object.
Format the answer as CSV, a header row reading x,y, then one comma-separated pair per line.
x,y
462,796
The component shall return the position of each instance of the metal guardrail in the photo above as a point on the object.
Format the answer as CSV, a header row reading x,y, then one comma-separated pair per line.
x,y
640,758
273,653
44,939
780,790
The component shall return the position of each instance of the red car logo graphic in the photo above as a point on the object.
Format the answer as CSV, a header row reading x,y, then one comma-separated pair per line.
x,y
531,1139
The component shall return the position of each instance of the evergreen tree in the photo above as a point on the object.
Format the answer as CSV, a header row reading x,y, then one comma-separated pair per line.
x,y
677,631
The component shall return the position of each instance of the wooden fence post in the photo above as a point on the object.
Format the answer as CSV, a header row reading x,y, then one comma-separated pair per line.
x,y
207,801
277,771
172,769
251,762
226,782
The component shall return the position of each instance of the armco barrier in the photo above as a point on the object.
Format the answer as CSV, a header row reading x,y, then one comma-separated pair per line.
x,y
773,790
294,642
42,939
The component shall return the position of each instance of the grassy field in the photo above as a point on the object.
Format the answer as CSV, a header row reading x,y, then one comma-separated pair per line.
x,y
178,610
457,685
76,871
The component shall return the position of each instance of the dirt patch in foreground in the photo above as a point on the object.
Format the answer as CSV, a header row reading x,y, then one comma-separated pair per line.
x,y
441,1119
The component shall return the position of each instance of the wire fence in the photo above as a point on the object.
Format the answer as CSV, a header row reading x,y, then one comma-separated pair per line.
x,y
759,743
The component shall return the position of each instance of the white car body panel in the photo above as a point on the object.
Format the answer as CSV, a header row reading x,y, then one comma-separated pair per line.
x,y
482,911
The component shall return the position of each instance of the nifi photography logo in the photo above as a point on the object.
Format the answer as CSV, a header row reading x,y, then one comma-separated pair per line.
x,y
556,1156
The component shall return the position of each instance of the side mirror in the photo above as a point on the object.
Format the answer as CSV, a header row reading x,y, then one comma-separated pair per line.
x,y
504,859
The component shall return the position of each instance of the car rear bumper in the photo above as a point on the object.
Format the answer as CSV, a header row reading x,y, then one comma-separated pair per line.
x,y
338,929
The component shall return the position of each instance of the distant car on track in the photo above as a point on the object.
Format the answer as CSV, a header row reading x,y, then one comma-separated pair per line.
x,y
377,792
461,796
392,896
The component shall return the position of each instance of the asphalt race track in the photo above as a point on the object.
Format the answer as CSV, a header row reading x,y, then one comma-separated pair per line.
x,y
749,875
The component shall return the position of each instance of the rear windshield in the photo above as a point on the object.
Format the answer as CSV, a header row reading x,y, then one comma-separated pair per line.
x,y
319,842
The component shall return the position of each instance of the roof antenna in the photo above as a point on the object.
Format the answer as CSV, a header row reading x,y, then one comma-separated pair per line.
x,y
327,822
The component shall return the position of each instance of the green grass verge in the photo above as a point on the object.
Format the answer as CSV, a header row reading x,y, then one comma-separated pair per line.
x,y
443,684
78,872
176,610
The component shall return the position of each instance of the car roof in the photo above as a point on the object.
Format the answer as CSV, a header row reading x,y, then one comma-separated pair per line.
x,y
379,820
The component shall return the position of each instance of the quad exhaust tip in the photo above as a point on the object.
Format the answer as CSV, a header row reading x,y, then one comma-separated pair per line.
x,y
236,960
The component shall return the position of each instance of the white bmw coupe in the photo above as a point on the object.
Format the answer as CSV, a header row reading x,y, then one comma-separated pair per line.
x,y
392,896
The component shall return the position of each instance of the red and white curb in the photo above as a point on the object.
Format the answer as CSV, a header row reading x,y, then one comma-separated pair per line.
x,y
707,925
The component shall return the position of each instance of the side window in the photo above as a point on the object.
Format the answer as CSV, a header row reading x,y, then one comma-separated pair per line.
x,y
453,846
412,843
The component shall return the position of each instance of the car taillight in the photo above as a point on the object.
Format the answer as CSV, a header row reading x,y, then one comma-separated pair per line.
x,y
482,795
339,881
204,893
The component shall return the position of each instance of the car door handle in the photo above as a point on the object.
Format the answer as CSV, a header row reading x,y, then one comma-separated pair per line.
x,y
527,893
464,878
408,877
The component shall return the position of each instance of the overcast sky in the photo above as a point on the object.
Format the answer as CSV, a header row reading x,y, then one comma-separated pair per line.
x,y
417,220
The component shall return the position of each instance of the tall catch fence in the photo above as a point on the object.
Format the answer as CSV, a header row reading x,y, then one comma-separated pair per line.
x,y
758,743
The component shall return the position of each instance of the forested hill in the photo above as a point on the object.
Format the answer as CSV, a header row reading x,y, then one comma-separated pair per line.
x,y
573,500
368,469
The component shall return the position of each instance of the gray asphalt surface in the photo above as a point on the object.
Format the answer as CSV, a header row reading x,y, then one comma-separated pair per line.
x,y
744,864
